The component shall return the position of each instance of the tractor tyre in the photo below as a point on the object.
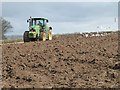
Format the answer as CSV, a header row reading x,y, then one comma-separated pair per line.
x,y
26,36
43,36
50,35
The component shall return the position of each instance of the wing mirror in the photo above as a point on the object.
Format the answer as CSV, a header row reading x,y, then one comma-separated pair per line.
x,y
47,21
27,21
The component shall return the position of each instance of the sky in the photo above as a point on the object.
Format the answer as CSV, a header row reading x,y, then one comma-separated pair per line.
x,y
64,17
60,1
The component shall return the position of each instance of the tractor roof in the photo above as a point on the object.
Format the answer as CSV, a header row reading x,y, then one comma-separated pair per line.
x,y
39,18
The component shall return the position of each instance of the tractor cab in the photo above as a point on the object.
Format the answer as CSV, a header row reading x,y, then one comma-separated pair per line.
x,y
38,30
40,23
37,21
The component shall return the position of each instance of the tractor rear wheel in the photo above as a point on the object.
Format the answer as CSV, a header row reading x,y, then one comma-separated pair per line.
x,y
50,35
44,36
26,36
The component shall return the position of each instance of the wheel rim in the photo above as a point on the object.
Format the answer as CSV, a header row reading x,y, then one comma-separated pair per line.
x,y
44,36
50,35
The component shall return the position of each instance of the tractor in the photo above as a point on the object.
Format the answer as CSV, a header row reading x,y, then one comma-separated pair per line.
x,y
38,30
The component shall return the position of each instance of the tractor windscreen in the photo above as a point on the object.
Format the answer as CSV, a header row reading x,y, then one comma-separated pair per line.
x,y
37,21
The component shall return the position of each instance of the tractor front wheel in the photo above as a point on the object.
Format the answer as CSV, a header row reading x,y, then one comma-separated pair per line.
x,y
26,36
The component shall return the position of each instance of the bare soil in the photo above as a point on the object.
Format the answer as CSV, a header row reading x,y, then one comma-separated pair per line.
x,y
66,61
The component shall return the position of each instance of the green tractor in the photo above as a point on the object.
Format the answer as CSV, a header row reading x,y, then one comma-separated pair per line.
x,y
38,30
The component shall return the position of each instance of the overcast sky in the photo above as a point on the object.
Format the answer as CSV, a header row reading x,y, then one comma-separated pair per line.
x,y
64,17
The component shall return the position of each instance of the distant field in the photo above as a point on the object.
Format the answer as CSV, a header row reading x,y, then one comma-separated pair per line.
x,y
12,41
18,38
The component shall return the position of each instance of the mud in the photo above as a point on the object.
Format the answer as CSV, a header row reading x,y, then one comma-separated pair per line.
x,y
66,61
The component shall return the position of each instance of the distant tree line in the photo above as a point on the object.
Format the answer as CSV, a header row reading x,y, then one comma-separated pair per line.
x,y
5,26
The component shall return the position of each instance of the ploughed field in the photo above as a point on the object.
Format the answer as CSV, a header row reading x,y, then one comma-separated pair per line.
x,y
66,61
